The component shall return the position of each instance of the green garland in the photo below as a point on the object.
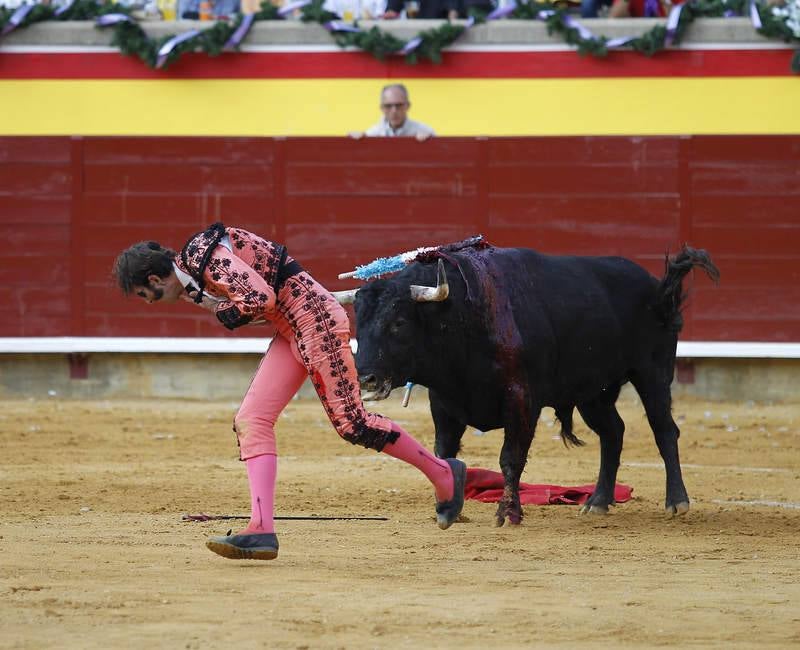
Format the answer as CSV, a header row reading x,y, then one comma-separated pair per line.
x,y
80,10
133,41
382,44
654,40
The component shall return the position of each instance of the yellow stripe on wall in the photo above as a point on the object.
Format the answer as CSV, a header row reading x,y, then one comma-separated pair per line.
x,y
453,107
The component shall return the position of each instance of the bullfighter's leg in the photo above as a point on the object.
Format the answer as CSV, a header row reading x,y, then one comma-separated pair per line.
x,y
449,431
602,417
336,383
657,401
277,379
322,345
521,419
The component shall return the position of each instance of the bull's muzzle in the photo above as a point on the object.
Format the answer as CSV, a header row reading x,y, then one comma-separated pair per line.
x,y
376,390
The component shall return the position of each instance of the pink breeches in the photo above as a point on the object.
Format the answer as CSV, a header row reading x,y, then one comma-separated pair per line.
x,y
313,341
278,378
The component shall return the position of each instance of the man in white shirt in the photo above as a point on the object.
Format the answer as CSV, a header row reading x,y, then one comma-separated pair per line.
x,y
349,10
395,122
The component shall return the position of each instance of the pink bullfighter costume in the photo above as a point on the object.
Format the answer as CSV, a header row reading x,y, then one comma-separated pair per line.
x,y
253,279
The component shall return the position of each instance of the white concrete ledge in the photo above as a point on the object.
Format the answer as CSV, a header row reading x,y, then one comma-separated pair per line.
x,y
215,345
734,32
738,350
131,344
134,345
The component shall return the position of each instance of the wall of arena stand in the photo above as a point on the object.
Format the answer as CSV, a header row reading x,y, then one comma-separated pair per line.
x,y
537,147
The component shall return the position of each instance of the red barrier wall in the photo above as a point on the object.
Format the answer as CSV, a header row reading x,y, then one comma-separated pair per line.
x,y
69,205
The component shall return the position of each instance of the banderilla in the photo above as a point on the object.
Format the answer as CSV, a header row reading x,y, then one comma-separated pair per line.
x,y
204,517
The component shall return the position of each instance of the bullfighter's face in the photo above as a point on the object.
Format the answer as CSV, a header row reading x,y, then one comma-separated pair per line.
x,y
149,294
158,289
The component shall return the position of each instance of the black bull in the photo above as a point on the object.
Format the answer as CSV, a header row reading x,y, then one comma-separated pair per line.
x,y
511,331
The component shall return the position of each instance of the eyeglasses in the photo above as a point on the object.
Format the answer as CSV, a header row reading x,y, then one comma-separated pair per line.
x,y
399,105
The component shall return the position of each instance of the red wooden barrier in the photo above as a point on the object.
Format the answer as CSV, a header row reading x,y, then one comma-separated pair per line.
x,y
69,205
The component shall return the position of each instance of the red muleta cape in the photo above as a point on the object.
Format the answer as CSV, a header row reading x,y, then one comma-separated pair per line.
x,y
487,486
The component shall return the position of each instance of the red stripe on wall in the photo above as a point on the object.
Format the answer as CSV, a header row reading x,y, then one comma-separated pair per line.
x,y
456,65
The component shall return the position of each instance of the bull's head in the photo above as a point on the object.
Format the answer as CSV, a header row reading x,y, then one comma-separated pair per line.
x,y
390,329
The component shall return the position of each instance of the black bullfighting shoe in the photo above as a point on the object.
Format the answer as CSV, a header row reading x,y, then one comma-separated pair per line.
x,y
447,511
251,546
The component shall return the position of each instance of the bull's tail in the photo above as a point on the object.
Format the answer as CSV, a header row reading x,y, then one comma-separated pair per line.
x,y
564,416
671,296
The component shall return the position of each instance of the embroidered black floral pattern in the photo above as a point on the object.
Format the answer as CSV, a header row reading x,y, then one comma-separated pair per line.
x,y
202,260
331,344
321,339
232,318
266,254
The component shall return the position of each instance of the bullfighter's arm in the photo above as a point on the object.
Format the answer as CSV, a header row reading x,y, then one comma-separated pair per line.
x,y
246,295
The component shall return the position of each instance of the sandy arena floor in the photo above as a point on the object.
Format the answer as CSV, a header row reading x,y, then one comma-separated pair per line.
x,y
95,555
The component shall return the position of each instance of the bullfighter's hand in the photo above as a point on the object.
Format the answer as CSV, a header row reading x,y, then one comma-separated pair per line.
x,y
206,303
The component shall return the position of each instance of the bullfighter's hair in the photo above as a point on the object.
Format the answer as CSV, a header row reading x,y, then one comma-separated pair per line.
x,y
138,262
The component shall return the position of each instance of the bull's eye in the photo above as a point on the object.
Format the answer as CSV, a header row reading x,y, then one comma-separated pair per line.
x,y
397,325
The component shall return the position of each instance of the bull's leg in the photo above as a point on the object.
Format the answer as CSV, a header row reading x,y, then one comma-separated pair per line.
x,y
602,417
449,430
654,391
519,430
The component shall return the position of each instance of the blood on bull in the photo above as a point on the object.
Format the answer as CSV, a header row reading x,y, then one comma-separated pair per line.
x,y
497,334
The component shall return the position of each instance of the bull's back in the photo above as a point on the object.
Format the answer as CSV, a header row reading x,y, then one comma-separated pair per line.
x,y
584,322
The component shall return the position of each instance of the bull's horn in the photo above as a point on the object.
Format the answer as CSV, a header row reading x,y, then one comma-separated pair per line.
x,y
432,294
345,297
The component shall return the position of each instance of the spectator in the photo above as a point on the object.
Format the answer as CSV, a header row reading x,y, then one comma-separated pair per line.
x,y
349,10
481,7
422,9
395,122
591,8
641,8
190,9
250,7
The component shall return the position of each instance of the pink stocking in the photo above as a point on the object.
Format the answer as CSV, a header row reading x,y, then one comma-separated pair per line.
x,y
261,473
437,470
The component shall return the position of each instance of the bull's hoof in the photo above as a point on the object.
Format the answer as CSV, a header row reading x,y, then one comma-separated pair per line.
x,y
587,509
677,509
508,516
507,522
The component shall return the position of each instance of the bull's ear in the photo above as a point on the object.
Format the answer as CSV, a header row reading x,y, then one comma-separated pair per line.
x,y
433,294
345,297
